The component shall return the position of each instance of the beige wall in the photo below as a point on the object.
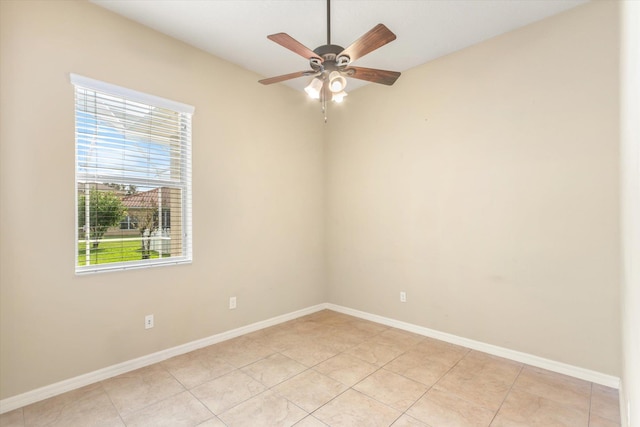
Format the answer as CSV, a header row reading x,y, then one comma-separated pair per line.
x,y
485,185
257,198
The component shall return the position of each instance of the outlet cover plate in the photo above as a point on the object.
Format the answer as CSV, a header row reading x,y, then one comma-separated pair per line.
x,y
148,321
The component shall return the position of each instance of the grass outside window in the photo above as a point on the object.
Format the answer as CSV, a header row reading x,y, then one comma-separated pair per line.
x,y
114,250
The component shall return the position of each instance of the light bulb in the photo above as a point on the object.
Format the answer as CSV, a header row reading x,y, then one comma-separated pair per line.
x,y
337,82
314,88
339,97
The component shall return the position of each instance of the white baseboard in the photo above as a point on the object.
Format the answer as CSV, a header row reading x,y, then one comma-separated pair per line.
x,y
625,406
529,359
55,389
51,390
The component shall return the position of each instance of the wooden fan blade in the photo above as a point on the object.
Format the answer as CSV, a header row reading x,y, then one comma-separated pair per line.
x,y
377,37
372,75
284,77
285,40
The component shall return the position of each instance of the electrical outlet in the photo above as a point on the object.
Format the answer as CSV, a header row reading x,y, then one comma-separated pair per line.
x,y
232,303
403,296
148,321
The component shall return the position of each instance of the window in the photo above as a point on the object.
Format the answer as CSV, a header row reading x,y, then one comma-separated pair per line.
x,y
133,178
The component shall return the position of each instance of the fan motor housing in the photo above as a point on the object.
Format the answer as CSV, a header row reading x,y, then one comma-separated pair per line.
x,y
329,53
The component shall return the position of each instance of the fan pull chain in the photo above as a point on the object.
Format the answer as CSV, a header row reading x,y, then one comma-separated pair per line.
x,y
324,104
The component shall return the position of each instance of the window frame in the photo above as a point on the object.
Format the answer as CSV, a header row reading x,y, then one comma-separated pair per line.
x,y
184,183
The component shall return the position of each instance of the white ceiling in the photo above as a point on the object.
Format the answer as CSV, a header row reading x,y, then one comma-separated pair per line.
x,y
236,30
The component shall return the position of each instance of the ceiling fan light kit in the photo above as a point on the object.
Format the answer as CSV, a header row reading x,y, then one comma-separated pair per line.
x,y
337,82
331,64
339,96
315,88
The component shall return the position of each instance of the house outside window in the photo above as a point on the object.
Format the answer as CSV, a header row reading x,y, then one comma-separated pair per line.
x,y
133,178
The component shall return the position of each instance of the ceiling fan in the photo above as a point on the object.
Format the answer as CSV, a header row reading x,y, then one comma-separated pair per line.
x,y
330,63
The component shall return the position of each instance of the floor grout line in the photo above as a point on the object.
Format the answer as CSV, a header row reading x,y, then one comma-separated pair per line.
x,y
507,395
590,403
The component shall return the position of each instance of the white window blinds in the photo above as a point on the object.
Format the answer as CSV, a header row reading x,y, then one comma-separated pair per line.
x,y
133,178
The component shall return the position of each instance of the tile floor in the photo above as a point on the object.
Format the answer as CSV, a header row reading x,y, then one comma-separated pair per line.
x,y
330,369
